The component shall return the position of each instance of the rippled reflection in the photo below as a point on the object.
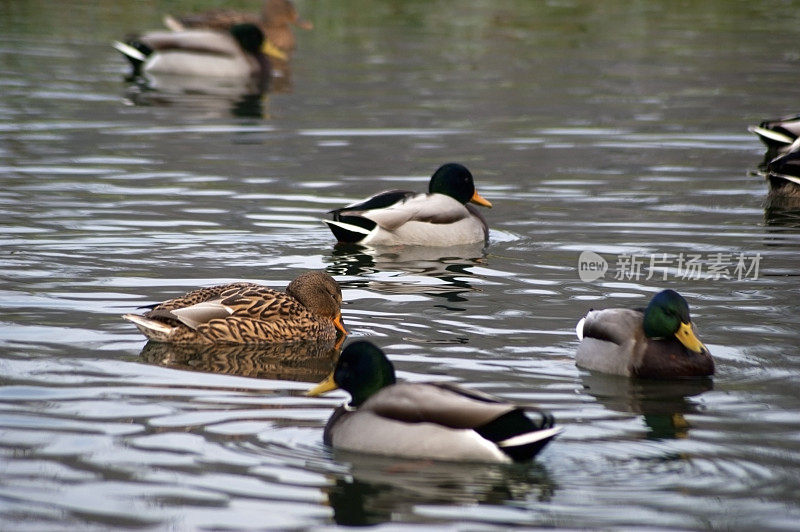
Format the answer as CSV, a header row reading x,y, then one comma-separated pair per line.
x,y
780,216
614,127
201,95
380,489
297,361
662,404
782,202
781,206
448,265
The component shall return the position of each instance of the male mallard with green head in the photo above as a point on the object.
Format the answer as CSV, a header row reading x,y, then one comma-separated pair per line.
x,y
442,217
657,342
248,313
230,54
425,420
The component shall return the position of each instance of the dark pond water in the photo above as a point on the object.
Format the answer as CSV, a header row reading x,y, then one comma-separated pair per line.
x,y
612,127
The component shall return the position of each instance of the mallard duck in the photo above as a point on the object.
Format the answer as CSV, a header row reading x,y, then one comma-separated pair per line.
x,y
276,20
778,134
783,173
657,342
441,217
233,54
434,420
247,313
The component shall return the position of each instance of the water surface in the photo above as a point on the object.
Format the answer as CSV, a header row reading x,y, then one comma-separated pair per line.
x,y
613,127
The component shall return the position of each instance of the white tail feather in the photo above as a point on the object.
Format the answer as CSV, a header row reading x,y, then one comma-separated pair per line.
x,y
771,135
151,328
349,227
579,328
530,437
791,178
129,50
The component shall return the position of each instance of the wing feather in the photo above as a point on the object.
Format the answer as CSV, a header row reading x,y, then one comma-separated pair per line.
x,y
615,325
380,200
428,208
443,405
200,295
200,313
244,300
202,41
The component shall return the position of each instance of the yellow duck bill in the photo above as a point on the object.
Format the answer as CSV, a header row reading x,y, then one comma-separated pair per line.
x,y
685,335
325,386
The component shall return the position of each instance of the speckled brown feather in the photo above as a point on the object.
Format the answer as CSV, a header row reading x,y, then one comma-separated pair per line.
x,y
252,313
200,295
219,19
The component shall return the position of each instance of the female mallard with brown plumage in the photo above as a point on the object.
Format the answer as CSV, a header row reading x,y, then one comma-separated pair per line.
x,y
246,313
425,420
657,342
276,20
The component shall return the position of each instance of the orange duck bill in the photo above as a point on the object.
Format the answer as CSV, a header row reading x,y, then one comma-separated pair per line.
x,y
337,322
480,200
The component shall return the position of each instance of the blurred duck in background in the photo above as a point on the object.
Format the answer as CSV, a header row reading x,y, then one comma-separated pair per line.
x,y
781,164
208,71
204,53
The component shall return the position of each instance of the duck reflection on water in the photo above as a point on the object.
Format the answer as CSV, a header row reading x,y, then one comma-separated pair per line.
x,y
298,361
783,176
778,219
378,489
249,99
783,179
661,403
447,264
